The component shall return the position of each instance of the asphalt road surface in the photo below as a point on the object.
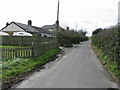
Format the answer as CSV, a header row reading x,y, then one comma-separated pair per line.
x,y
79,68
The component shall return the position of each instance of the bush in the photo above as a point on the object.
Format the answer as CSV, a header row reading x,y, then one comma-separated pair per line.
x,y
75,40
67,38
107,41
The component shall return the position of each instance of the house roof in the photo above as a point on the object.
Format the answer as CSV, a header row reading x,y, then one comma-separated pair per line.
x,y
31,29
50,26
27,28
42,30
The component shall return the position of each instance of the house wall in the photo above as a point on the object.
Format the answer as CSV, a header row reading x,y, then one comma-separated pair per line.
x,y
52,30
12,28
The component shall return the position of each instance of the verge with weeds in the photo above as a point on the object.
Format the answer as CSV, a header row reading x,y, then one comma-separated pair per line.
x,y
14,67
109,64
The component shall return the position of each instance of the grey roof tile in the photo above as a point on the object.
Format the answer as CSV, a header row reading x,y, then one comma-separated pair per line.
x,y
42,30
27,28
49,26
32,29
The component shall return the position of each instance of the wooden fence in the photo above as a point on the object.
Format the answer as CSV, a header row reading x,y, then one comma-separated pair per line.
x,y
17,52
27,52
25,41
26,47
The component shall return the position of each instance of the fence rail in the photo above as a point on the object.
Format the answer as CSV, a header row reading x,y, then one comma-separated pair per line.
x,y
25,41
26,47
18,52
27,52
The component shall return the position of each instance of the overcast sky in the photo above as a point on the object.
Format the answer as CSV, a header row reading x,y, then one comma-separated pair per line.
x,y
89,14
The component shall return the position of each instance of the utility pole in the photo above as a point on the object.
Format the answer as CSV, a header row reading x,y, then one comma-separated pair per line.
x,y
57,22
76,27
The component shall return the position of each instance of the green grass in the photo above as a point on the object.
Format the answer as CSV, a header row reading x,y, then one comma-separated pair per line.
x,y
3,46
18,66
111,65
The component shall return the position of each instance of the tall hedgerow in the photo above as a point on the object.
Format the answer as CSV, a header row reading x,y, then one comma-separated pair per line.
x,y
107,41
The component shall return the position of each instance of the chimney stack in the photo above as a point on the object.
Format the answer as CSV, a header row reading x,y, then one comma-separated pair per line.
x,y
7,24
30,22
67,28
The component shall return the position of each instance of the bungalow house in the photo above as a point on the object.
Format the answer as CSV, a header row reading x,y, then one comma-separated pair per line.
x,y
19,27
51,28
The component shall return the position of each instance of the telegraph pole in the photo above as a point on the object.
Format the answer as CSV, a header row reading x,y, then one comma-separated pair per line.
x,y
57,22
58,14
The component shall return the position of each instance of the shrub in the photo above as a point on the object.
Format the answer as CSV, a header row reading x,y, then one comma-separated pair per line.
x,y
67,38
107,41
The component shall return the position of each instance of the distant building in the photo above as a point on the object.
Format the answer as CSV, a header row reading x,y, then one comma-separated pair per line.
x,y
51,28
19,27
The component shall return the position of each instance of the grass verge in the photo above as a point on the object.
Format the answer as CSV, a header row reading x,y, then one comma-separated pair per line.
x,y
3,46
110,65
18,66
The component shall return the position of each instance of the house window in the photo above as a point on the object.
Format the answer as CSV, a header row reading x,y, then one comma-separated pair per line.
x,y
39,34
45,35
20,33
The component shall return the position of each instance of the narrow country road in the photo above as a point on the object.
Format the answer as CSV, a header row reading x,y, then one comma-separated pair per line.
x,y
79,68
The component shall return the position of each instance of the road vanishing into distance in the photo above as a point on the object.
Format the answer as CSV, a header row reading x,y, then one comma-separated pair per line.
x,y
78,68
